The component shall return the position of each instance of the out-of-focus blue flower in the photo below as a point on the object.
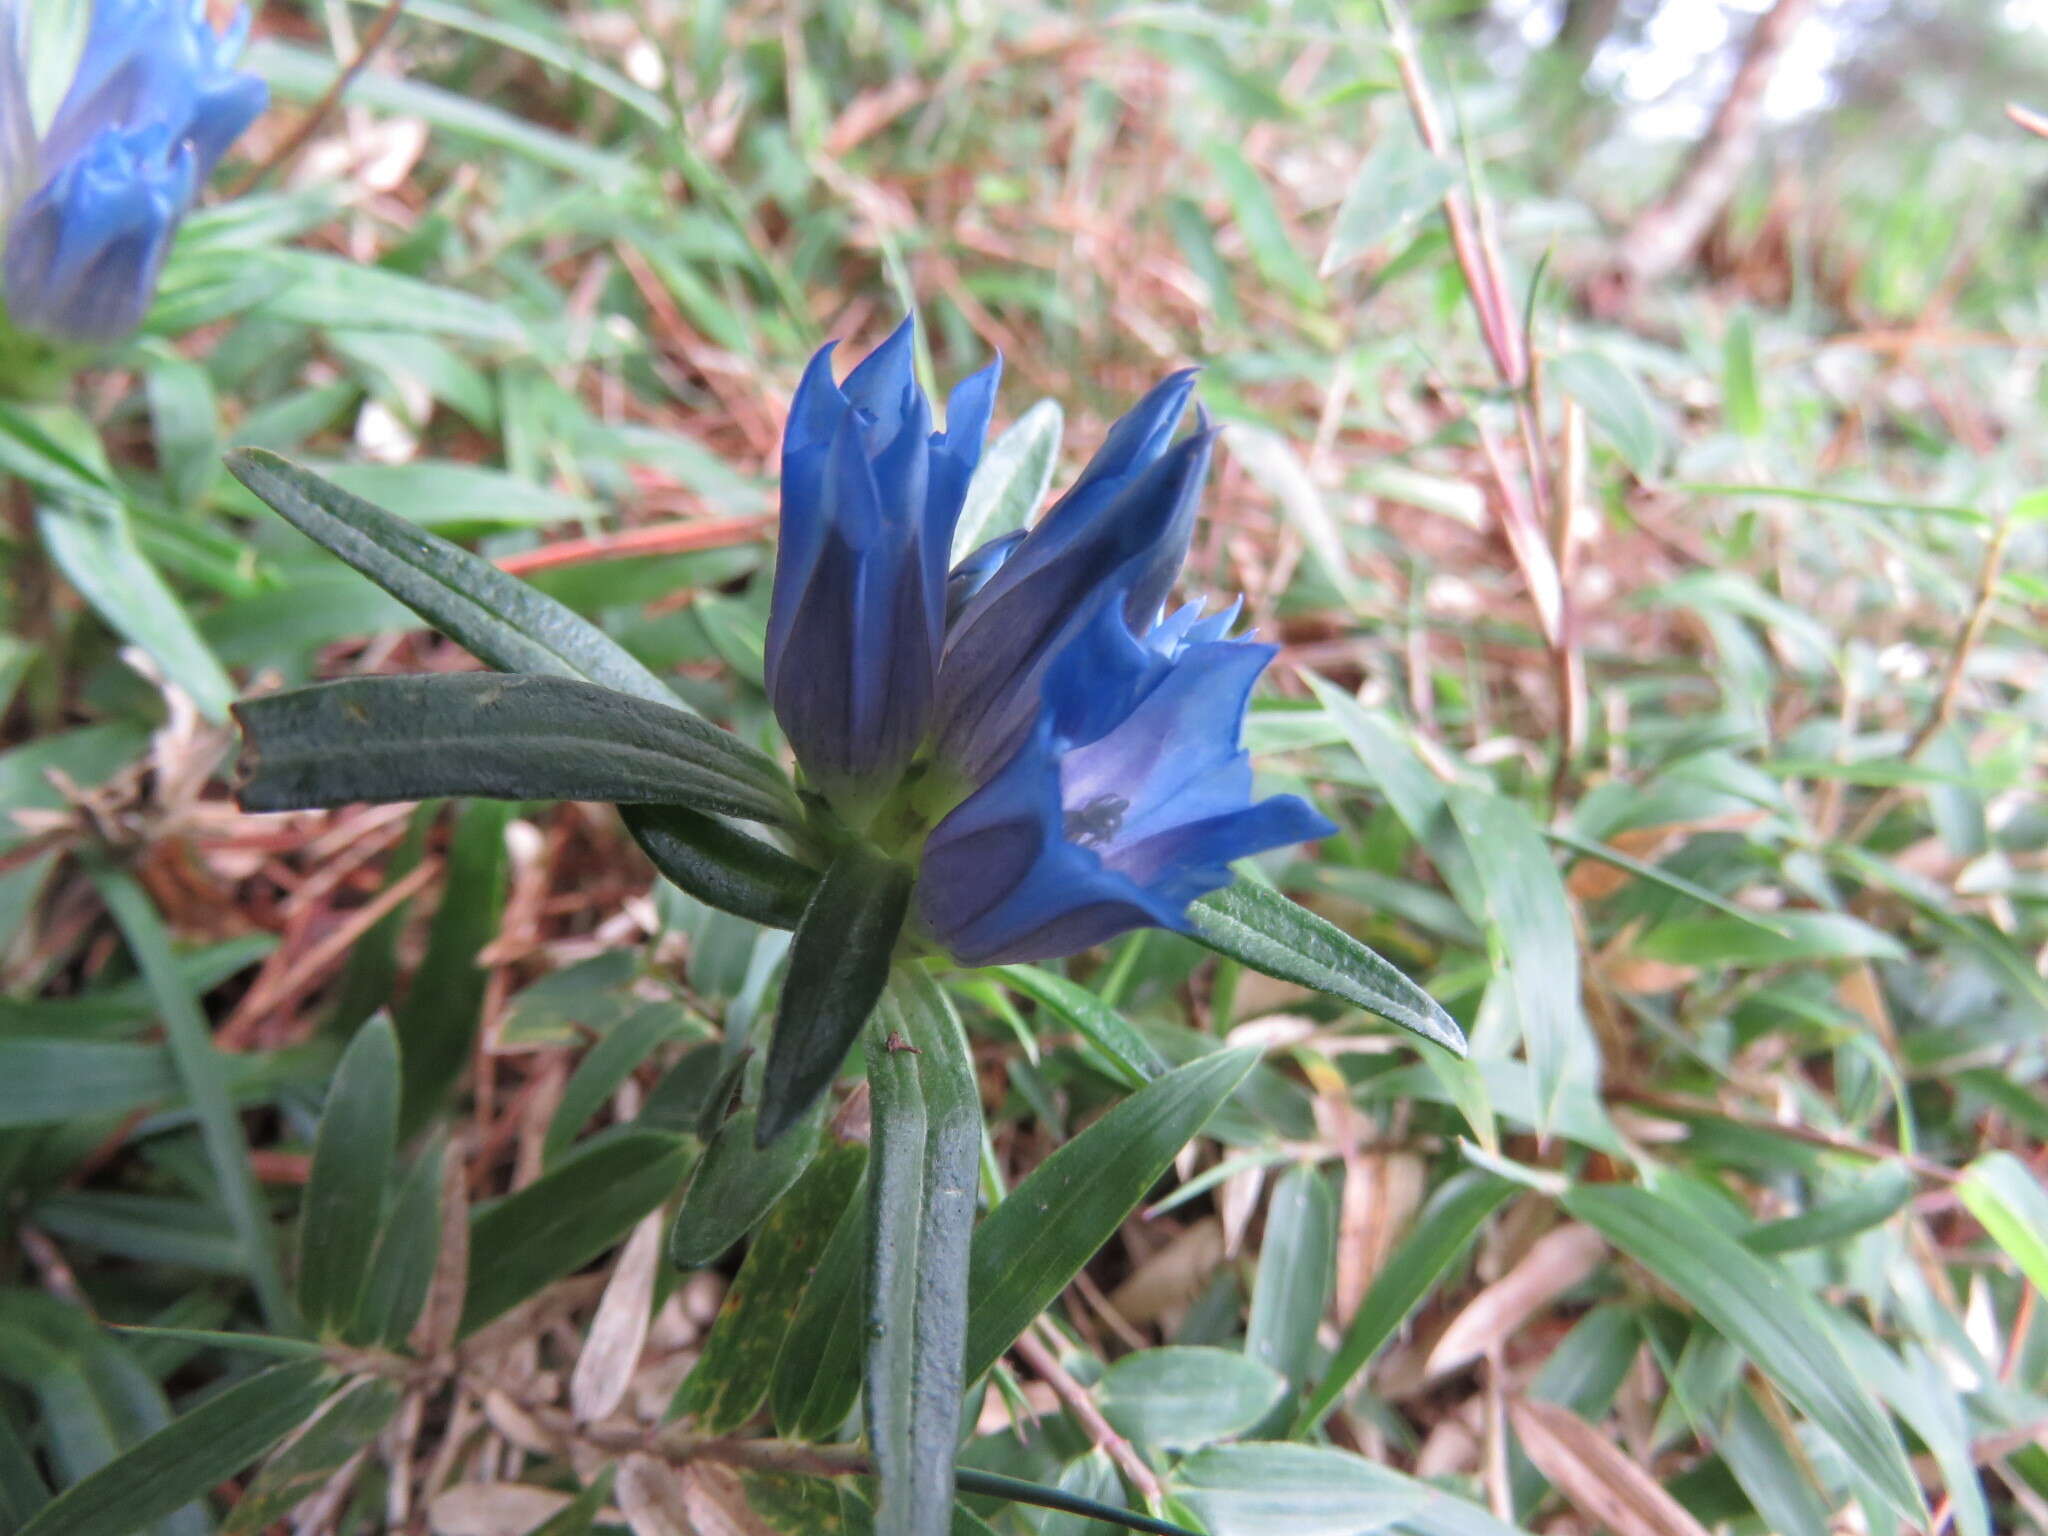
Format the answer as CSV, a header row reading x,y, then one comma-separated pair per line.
x,y
1128,798
870,495
91,208
1124,525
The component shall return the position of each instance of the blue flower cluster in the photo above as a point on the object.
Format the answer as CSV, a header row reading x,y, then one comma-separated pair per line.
x,y
1074,748
91,206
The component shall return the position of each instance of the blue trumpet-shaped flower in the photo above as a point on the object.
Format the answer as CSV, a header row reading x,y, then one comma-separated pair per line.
x,y
870,495
1129,797
92,206
1078,753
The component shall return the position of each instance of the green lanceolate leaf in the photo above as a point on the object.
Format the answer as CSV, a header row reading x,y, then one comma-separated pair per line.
x,y
502,621
1011,480
352,1158
736,1183
1258,926
443,1008
1763,1311
520,737
817,1370
1293,1490
721,865
1185,1397
1033,1244
730,1379
1446,1229
838,964
187,1457
89,539
604,1067
1876,1198
347,1422
402,1268
1136,1059
2002,1193
921,1185
204,1075
1297,1264
566,1218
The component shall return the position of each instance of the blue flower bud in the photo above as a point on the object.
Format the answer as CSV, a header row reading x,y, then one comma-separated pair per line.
x,y
1128,798
870,495
152,107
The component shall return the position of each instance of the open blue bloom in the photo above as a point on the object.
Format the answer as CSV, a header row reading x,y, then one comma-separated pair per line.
x,y
870,495
1129,797
92,206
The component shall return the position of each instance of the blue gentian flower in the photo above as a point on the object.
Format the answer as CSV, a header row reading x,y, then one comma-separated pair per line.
x,y
90,209
1061,760
870,495
1129,797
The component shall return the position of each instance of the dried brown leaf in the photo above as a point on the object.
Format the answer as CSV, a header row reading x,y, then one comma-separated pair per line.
x,y
1559,1260
439,1318
618,1333
492,1509
1596,1475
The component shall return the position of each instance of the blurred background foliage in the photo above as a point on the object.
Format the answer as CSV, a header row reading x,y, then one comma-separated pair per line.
x,y
1658,563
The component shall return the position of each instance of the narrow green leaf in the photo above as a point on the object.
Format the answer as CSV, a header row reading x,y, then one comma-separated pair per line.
x,y
443,1008
1012,478
186,418
1272,461
187,1457
2002,1193
1291,1490
721,865
22,1489
402,1268
1271,243
1881,1194
347,1422
817,1370
1399,183
89,539
1616,402
1136,1059
1033,1244
1741,400
1528,923
1184,1397
736,1183
206,1084
501,620
838,965
565,1218
730,1379
1258,926
516,737
609,1063
352,1157
45,1081
921,1188
1447,1226
1763,1311
1297,1265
